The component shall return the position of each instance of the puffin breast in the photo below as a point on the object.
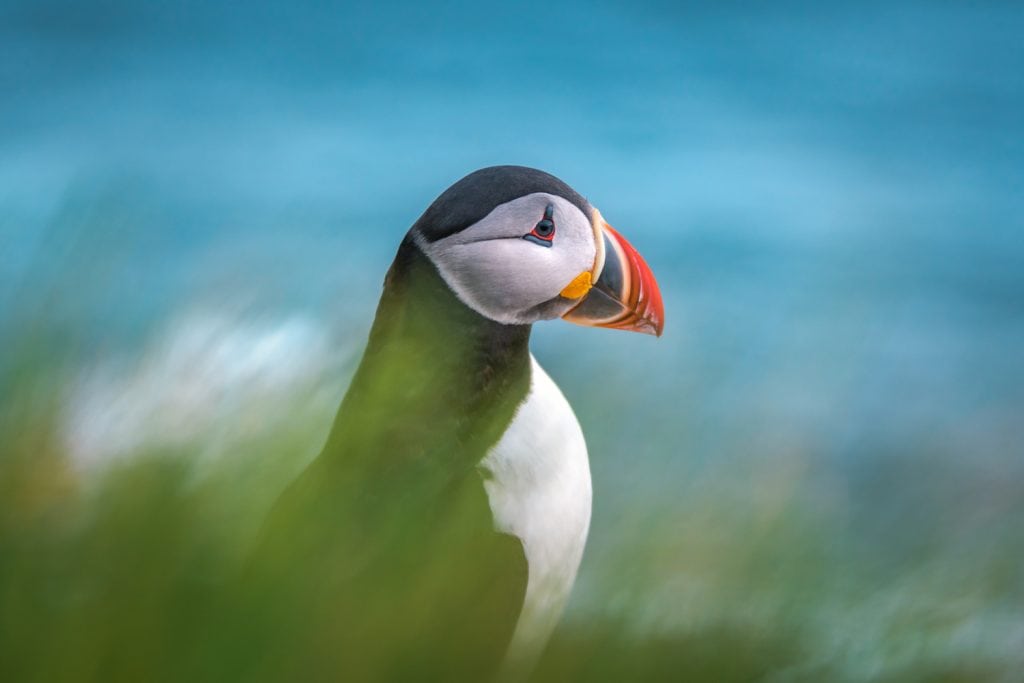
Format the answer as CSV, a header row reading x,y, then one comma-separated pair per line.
x,y
537,479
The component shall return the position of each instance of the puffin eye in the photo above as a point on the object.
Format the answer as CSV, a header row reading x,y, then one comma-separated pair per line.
x,y
544,232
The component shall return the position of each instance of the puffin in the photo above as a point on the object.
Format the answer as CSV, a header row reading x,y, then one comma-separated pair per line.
x,y
439,532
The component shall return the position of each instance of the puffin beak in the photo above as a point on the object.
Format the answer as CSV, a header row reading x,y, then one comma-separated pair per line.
x,y
624,295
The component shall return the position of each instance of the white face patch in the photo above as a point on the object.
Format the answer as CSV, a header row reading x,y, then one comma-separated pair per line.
x,y
512,280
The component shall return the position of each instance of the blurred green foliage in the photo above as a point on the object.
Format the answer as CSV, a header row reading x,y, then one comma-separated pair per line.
x,y
129,572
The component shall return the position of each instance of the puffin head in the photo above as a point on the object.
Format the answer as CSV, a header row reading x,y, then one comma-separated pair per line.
x,y
518,245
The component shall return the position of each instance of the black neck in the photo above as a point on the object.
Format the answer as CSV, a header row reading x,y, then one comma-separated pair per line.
x,y
435,372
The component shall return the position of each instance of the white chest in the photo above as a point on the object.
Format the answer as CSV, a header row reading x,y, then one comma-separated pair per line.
x,y
539,491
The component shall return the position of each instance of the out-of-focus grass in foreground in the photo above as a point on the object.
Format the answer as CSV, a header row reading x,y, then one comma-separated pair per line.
x,y
125,571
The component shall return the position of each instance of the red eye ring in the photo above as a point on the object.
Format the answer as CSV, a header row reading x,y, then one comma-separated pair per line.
x,y
544,232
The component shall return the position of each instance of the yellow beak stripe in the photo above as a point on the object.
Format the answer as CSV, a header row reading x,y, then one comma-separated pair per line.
x,y
579,286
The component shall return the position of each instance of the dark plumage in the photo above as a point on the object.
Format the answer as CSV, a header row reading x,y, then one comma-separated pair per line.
x,y
475,195
392,519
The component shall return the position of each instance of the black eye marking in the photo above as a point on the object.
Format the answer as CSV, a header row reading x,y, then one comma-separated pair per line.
x,y
544,232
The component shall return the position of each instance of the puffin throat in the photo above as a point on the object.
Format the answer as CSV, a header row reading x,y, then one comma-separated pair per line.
x,y
434,367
